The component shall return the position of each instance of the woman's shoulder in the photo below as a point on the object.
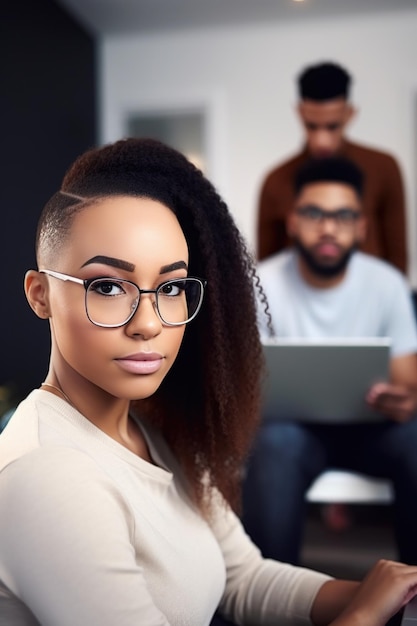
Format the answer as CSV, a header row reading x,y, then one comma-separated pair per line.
x,y
55,482
46,468
26,429
34,451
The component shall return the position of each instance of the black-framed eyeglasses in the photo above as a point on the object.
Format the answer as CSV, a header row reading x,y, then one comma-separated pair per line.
x,y
316,216
112,302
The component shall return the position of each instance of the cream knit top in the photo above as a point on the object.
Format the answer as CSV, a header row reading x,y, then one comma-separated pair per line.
x,y
93,535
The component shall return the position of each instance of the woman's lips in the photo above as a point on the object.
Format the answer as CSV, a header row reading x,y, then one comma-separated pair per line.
x,y
141,363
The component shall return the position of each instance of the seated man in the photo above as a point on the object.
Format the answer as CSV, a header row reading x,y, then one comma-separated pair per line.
x,y
323,287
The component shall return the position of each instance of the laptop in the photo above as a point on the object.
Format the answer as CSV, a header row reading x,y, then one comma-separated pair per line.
x,y
409,617
325,380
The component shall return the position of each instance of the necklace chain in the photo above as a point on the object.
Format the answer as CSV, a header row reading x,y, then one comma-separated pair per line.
x,y
58,389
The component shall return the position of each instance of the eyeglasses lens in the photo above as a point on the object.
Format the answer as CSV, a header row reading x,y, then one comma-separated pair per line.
x,y
112,303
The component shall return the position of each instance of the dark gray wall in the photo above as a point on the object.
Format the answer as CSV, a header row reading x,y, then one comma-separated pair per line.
x,y
48,117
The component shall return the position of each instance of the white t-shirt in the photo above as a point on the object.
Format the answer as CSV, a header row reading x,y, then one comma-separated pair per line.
x,y
373,300
93,535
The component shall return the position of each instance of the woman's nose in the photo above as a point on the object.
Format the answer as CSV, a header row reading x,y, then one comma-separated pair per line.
x,y
145,321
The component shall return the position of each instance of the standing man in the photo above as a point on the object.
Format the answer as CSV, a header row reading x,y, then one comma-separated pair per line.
x,y
325,112
323,287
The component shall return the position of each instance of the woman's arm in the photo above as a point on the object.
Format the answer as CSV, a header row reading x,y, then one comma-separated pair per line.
x,y
331,600
383,592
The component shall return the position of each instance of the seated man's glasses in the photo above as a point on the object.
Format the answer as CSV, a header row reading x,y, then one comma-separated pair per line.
x,y
343,218
112,302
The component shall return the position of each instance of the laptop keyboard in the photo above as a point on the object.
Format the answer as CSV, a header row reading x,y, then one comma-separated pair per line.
x,y
410,613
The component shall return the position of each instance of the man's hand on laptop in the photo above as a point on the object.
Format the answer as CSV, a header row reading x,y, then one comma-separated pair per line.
x,y
395,401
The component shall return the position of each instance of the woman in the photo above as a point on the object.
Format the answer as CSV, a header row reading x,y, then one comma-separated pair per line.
x,y
119,474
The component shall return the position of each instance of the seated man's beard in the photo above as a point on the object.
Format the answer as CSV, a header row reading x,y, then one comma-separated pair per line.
x,y
320,269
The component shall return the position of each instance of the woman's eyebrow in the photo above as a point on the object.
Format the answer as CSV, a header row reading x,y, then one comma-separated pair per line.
x,y
108,260
178,265
130,267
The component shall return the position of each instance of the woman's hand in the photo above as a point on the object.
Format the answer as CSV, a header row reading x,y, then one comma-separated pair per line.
x,y
383,592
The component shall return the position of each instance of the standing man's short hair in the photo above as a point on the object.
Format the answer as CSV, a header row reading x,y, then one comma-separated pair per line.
x,y
324,81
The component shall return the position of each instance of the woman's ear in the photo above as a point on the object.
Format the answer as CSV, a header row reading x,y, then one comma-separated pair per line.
x,y
36,290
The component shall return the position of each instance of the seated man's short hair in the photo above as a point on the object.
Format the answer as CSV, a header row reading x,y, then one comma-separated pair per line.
x,y
332,169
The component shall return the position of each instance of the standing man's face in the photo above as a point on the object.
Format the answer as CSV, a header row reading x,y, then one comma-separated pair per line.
x,y
324,124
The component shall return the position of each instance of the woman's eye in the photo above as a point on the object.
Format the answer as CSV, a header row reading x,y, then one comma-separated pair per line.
x,y
172,289
107,288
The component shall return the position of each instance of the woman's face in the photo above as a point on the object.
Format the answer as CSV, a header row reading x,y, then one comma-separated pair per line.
x,y
136,239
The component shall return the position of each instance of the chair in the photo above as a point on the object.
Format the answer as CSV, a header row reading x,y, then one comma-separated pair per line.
x,y
342,486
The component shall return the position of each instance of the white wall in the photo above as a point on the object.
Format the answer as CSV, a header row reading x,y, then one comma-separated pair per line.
x,y
245,77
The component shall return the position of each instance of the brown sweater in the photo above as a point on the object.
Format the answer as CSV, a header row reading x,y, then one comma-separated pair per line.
x,y
383,205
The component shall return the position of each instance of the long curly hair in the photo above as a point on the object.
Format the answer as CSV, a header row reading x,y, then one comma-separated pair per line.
x,y
208,406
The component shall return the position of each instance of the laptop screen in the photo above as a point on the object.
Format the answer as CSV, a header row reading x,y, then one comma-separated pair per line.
x,y
323,380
